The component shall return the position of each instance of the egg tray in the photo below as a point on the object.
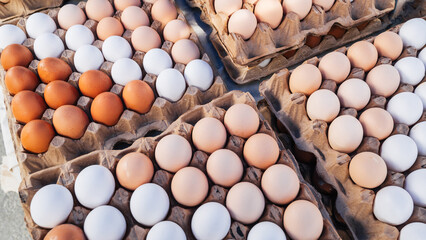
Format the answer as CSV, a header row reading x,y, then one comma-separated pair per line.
x,y
66,174
353,204
18,8
131,125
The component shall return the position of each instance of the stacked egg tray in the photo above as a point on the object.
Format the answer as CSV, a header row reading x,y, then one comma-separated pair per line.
x,y
14,9
352,204
66,174
131,125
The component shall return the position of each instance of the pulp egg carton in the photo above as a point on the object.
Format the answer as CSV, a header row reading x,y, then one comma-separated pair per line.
x,y
353,204
131,125
66,174
14,9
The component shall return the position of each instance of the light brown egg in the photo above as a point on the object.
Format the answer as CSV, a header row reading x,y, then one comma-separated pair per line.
x,y
58,93
224,168
335,66
176,30
65,232
99,9
345,134
300,7
354,93
389,44
189,186
145,38
303,220
138,96
241,120
108,27
323,105
368,170
121,5
245,202
27,106
134,169
70,121
280,184
242,22
20,78
377,123
184,51
70,15
163,11
15,55
51,69
325,4
133,17
383,80
209,135
363,55
305,79
106,108
261,151
227,7
269,12
173,152
36,136
94,82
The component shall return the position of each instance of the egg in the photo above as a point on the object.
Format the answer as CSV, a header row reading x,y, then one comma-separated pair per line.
x,y
149,204
27,105
51,205
323,105
19,78
305,79
280,184
413,33
166,230
173,152
421,92
123,4
242,22
241,120
298,215
354,93
170,85
266,230
393,205
411,70
138,96
227,7
413,231
156,60
15,55
163,11
414,186
11,34
176,30
58,93
108,27
368,170
36,136
224,167
405,107
189,186
48,45
345,134
199,74
377,123
70,15
70,121
269,12
115,48
300,7
335,66
145,38
65,232
99,9
422,56
389,44
133,17
51,69
209,135
77,36
363,55
261,151
105,222
399,152
38,24
106,108
94,82
417,133
325,4
242,210
134,169
87,58
125,70
383,80
211,221
184,51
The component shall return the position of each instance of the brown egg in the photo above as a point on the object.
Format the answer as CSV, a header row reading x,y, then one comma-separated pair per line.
x,y
20,78
106,108
176,30
368,170
280,184
245,202
261,151
27,106
70,15
269,12
241,120
65,232
227,6
99,9
383,80
134,169
345,134
184,51
109,26
305,79
242,22
389,44
134,17
224,168
173,152
163,11
58,93
303,220
354,93
51,69
377,123
189,186
363,55
323,105
36,136
209,135
94,82
15,55
300,7
138,96
335,66
145,38
70,121
123,4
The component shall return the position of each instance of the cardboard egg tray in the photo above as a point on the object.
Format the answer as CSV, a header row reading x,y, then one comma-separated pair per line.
x,y
353,204
131,125
66,174
17,8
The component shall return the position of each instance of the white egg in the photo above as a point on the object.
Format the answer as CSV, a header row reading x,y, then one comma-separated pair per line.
x,y
115,48
166,230
399,152
418,133
38,24
405,107
106,223
94,186
77,36
87,58
393,205
411,70
211,221
125,70
199,74
414,184
421,92
413,231
11,34
170,85
156,60
266,230
422,56
51,205
413,33
48,45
